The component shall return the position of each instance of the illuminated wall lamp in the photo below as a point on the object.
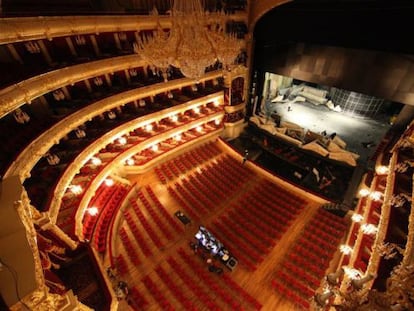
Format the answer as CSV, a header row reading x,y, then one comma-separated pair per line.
x,y
382,170
93,211
148,127
96,161
178,137
154,148
357,217
130,162
345,249
75,189
369,229
109,182
376,195
364,192
122,140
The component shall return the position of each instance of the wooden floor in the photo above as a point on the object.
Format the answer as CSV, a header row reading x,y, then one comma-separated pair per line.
x,y
256,283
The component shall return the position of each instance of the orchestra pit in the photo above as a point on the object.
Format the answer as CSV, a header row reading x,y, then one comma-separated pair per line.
x,y
206,155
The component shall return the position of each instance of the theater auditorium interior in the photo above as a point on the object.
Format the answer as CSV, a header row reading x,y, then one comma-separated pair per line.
x,y
206,155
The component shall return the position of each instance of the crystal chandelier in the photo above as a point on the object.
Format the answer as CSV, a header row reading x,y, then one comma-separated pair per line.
x,y
196,40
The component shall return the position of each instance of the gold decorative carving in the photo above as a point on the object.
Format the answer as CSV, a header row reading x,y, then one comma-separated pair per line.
x,y
34,28
120,159
384,219
29,157
25,91
232,109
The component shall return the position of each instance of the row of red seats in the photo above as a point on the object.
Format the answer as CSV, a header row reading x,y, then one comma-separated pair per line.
x,y
102,196
213,189
157,294
233,175
301,273
203,188
222,189
315,258
106,215
196,205
297,285
245,235
177,292
121,265
222,177
183,203
193,285
267,225
260,234
209,281
137,299
237,166
301,261
129,247
158,221
163,210
316,223
160,175
280,222
245,295
289,293
327,240
139,237
240,243
200,196
144,222
284,214
268,186
316,248
275,201
336,221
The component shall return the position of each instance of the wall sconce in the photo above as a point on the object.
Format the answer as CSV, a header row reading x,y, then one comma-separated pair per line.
x,y
75,189
358,284
93,211
96,161
109,182
357,217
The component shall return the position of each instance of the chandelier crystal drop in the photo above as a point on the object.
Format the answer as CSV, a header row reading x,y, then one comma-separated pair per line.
x,y
197,39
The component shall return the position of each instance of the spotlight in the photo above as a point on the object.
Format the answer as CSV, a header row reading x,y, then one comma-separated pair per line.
x,y
177,137
154,147
174,118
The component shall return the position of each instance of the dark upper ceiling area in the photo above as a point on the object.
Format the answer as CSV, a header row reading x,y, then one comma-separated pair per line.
x,y
368,24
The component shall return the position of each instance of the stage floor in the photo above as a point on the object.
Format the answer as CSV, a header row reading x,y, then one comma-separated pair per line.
x,y
353,130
